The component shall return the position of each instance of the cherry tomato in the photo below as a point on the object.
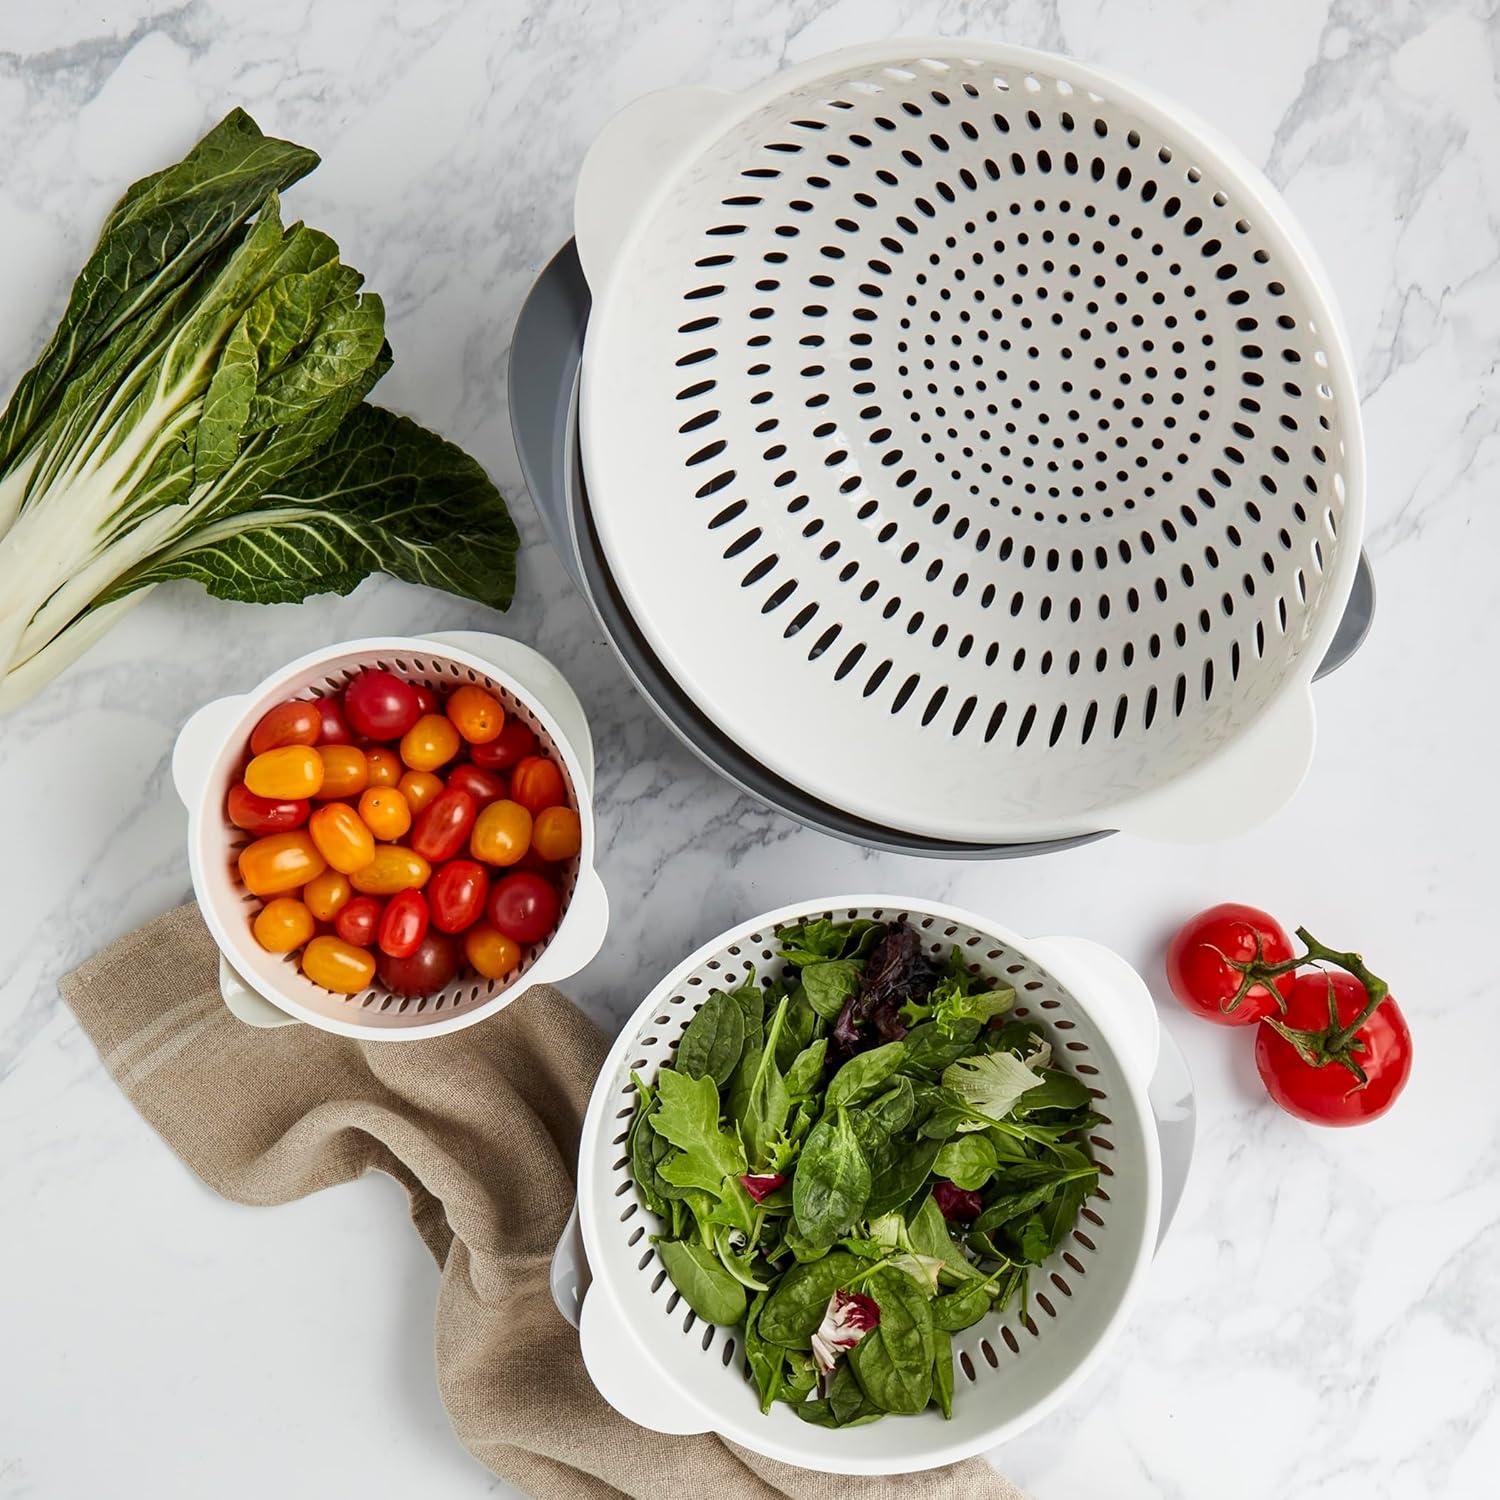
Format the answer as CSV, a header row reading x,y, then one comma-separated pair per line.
x,y
279,863
556,833
502,833
342,839
431,742
1199,962
427,700
419,788
359,920
428,969
264,814
384,765
380,705
537,783
476,714
346,772
385,812
297,722
394,868
1331,1094
442,827
483,786
456,894
509,748
403,924
326,895
335,730
524,907
286,774
283,924
337,965
490,953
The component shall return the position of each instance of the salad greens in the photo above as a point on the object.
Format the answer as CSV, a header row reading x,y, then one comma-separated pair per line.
x,y
856,1162
198,414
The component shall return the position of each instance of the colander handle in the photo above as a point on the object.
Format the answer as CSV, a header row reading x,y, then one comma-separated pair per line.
x,y
246,1004
198,741
624,1374
1115,995
629,159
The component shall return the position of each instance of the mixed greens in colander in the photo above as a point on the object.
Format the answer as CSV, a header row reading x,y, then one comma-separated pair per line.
x,y
855,1163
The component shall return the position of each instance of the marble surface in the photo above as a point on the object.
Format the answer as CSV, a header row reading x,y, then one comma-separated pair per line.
x,y
1324,1320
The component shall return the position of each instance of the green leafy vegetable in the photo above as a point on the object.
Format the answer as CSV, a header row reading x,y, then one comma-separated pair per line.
x,y
687,1114
832,1185
795,1308
990,1085
828,985
967,1162
713,1041
893,1363
863,1073
706,1287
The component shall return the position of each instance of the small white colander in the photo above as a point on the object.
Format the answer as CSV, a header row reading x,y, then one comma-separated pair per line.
x,y
211,751
992,416
656,1363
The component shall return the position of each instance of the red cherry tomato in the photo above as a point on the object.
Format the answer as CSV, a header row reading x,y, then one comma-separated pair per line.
x,y
379,704
260,815
1331,1094
537,783
297,722
442,827
483,786
456,894
358,921
335,730
509,748
524,906
403,924
427,700
1201,957
424,971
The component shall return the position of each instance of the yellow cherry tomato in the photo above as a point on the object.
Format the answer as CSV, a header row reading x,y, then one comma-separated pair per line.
x,y
326,895
346,771
477,715
337,965
502,833
385,766
287,773
283,924
419,788
341,837
280,862
555,833
431,742
491,954
385,812
394,868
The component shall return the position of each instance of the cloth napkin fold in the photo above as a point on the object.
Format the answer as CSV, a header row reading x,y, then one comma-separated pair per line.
x,y
481,1127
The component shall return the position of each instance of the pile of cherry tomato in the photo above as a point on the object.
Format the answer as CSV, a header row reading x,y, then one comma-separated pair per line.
x,y
399,836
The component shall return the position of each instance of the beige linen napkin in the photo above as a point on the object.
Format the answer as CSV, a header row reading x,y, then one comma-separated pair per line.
x,y
482,1129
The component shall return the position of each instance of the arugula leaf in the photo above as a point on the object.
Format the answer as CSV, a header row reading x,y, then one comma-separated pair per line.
x,y
687,1114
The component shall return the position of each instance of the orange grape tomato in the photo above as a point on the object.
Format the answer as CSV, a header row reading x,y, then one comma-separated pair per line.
x,y
385,812
297,722
280,862
346,771
431,742
283,924
337,965
394,868
385,766
537,783
419,788
341,837
555,833
502,833
490,953
476,714
326,895
287,773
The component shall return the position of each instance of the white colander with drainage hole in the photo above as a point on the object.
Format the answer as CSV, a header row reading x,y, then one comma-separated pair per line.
x,y
655,1362
267,989
993,417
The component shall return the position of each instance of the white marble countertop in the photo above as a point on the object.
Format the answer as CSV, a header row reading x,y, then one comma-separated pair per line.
x,y
1324,1319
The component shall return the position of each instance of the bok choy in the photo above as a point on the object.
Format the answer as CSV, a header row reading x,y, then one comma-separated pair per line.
x,y
200,413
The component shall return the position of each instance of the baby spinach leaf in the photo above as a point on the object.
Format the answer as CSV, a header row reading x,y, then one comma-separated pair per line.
x,y
1058,1090
765,1362
901,1175
795,1308
829,984
687,1114
929,1051
928,1234
714,1039
892,1110
847,1403
761,1102
1012,1205
739,1263
863,1074
955,1311
806,1071
800,1028
812,942
642,1142
832,1181
705,1285
1028,1239
751,1000
894,1361
942,1374
968,1161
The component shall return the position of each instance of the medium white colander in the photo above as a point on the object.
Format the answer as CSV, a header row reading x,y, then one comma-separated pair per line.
x,y
655,1362
992,417
210,753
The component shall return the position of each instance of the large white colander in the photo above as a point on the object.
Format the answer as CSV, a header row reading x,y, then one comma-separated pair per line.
x,y
655,1362
991,417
